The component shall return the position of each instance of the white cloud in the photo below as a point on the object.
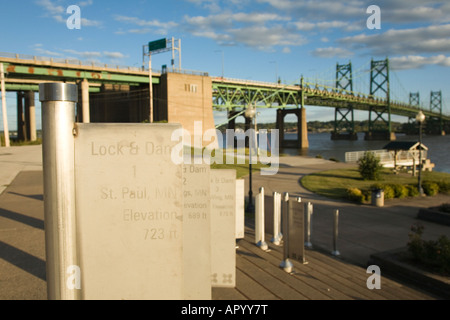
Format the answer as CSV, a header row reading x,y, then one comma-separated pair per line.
x,y
114,55
147,26
38,48
51,8
331,52
264,38
59,14
259,30
417,62
431,39
84,54
211,5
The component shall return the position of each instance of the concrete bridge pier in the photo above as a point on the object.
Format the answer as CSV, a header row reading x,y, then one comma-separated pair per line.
x,y
232,125
380,135
26,116
352,136
302,131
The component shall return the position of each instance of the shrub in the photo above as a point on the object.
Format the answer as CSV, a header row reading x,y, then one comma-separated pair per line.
x,y
412,190
432,254
369,166
354,194
389,192
430,188
400,190
367,194
444,186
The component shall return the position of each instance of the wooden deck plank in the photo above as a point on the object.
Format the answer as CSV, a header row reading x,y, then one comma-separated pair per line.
x,y
305,284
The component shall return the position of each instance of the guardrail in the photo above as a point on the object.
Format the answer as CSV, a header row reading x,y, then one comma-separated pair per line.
x,y
388,157
68,61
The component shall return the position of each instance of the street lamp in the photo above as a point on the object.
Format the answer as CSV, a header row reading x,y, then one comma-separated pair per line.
x,y
250,114
420,117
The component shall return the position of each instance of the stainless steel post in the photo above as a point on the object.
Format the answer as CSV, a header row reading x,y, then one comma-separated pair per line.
x,y
277,236
335,233
309,212
286,264
58,118
259,223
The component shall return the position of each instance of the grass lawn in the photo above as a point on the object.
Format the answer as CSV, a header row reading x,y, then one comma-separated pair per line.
x,y
333,183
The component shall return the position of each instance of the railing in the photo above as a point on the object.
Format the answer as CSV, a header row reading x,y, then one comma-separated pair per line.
x,y
405,157
255,82
69,61
184,71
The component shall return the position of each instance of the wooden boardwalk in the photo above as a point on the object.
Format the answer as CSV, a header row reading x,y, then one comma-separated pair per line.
x,y
324,277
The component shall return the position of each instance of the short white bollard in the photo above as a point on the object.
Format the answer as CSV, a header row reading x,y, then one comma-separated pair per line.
x,y
309,212
277,235
259,221
335,251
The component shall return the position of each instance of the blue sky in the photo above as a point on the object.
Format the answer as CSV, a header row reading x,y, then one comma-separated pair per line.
x,y
252,39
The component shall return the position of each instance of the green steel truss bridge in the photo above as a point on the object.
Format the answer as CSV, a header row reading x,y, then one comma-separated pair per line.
x,y
24,73
238,94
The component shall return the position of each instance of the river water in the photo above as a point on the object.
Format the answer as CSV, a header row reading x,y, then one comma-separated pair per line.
x,y
321,144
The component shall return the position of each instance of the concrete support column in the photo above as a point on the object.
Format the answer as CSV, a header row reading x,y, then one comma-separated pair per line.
x,y
30,116
21,130
303,130
85,101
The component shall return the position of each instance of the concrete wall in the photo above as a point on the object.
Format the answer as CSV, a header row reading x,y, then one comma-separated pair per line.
x,y
189,100
179,98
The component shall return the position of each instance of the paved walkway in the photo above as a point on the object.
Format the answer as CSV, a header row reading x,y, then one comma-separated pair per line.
x,y
363,230
259,277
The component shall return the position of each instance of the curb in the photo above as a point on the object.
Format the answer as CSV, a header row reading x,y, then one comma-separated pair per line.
x,y
390,263
433,215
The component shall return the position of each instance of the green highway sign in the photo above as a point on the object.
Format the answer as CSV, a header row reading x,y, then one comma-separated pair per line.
x,y
157,45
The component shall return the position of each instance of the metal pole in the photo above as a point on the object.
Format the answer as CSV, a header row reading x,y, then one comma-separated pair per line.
x,y
276,240
420,159
286,264
150,85
179,53
259,223
173,53
4,108
58,118
335,233
309,212
85,101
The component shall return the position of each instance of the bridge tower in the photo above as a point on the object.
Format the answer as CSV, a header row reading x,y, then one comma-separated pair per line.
x,y
436,124
379,126
414,101
344,122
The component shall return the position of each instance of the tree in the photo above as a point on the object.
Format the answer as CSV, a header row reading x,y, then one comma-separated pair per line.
x,y
369,166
